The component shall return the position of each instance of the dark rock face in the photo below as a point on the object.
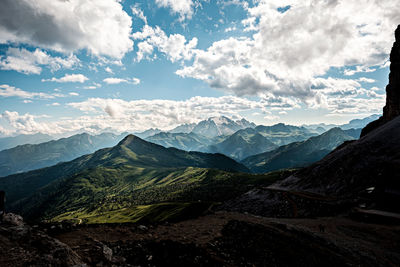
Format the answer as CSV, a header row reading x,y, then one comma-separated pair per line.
x,y
22,245
392,108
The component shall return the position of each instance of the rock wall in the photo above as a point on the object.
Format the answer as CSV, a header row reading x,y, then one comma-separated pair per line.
x,y
392,107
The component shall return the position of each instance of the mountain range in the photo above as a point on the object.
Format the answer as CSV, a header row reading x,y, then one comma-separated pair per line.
x,y
242,143
34,156
300,154
10,142
353,124
239,145
134,172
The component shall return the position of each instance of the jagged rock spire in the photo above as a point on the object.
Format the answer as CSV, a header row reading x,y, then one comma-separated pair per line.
x,y
392,107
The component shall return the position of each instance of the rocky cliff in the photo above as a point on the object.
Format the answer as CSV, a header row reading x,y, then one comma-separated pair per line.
x,y
392,108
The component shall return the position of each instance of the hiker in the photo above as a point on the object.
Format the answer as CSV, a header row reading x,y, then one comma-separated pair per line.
x,y
2,204
321,228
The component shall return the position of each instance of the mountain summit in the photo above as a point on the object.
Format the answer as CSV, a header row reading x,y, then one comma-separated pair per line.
x,y
216,126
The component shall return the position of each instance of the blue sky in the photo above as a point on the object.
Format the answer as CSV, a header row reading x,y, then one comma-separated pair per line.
x,y
105,65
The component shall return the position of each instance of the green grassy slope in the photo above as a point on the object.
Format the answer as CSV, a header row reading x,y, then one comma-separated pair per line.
x,y
103,193
133,173
132,152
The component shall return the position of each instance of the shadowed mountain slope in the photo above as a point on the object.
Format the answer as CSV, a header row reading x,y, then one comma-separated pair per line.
x,y
372,161
298,154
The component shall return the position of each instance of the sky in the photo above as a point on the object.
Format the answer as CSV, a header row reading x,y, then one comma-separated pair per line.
x,y
109,65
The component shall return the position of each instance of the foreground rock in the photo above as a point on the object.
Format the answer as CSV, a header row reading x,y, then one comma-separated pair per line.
x,y
234,239
22,245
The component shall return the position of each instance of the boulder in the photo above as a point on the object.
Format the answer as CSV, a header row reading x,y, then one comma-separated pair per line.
x,y
13,219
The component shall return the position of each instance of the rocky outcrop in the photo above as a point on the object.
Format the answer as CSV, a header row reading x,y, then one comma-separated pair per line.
x,y
22,245
372,161
392,108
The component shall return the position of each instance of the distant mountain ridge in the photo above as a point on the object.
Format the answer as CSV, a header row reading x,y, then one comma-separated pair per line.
x,y
299,154
185,141
353,124
10,142
242,144
29,157
247,141
211,136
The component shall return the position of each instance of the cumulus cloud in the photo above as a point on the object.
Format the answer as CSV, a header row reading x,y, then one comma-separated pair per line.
x,y
11,91
136,11
118,115
287,50
25,123
366,80
174,46
68,26
109,70
104,114
345,96
358,69
68,78
184,8
142,114
120,80
30,62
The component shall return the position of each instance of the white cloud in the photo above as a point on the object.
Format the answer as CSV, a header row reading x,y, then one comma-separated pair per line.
x,y
92,87
142,114
55,104
68,26
68,78
74,94
109,70
174,46
345,96
184,8
358,69
25,123
366,80
231,29
10,91
136,11
119,115
100,114
286,51
120,80
28,62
